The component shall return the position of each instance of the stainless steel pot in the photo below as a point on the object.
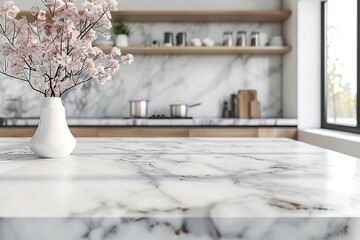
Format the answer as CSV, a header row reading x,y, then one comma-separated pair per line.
x,y
139,108
181,110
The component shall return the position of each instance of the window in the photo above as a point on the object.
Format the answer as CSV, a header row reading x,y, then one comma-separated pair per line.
x,y
340,75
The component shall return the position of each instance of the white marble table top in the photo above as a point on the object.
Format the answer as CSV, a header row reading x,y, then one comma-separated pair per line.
x,y
111,177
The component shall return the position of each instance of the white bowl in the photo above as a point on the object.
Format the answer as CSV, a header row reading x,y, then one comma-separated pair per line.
x,y
276,41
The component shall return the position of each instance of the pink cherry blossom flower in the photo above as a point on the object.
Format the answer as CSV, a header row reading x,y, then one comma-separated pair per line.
x,y
106,35
8,10
128,58
54,53
41,15
116,52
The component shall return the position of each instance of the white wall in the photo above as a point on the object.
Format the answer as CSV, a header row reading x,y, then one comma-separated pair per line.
x,y
309,63
176,4
289,86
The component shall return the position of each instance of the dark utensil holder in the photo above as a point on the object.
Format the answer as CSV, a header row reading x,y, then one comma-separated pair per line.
x,y
169,38
181,39
233,105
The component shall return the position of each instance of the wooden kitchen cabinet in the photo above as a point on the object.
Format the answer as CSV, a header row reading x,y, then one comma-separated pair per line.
x,y
17,131
143,132
278,132
30,131
223,132
84,131
286,132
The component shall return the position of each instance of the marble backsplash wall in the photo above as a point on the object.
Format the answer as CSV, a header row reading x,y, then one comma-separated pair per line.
x,y
167,79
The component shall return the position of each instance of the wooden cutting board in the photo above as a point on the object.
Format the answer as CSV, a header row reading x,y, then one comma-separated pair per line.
x,y
255,107
244,99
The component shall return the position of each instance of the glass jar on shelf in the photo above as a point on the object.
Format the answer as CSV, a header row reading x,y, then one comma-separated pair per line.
x,y
255,39
228,39
241,38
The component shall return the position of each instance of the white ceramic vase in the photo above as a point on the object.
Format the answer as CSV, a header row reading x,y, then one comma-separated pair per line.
x,y
122,40
52,138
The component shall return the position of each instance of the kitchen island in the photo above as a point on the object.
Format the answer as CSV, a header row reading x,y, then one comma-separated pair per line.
x,y
173,188
127,127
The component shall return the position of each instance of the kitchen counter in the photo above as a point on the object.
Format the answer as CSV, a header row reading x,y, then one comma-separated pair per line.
x,y
161,122
173,188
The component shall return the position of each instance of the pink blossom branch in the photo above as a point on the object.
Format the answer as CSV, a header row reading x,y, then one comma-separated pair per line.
x,y
92,25
57,49
29,81
4,31
8,75
76,85
21,79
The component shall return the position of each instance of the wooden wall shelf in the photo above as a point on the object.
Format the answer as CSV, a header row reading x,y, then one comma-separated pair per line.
x,y
195,16
203,16
218,50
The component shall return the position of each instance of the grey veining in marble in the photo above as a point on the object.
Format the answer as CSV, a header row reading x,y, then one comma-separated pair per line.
x,y
167,79
161,122
193,189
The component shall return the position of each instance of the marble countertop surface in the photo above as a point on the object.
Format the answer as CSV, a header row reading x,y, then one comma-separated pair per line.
x,y
162,122
111,177
179,189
